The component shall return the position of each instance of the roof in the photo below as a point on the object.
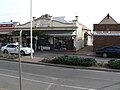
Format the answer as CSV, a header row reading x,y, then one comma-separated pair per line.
x,y
6,30
6,22
61,19
108,20
84,27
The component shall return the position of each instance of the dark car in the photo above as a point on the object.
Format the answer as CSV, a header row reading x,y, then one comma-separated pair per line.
x,y
110,51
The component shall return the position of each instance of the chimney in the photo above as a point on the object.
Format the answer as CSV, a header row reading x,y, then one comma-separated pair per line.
x,y
108,16
34,18
76,17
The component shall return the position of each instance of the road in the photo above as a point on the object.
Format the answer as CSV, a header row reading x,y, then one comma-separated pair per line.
x,y
41,77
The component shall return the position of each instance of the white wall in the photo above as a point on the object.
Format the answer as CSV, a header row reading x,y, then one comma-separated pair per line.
x,y
79,40
47,23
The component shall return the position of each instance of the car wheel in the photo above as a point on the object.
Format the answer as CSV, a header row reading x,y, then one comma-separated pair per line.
x,y
22,53
5,52
104,55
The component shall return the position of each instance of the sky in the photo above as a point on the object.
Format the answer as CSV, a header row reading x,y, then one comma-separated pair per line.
x,y
89,11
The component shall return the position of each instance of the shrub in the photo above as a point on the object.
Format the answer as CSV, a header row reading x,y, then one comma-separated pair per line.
x,y
88,62
73,60
114,64
9,56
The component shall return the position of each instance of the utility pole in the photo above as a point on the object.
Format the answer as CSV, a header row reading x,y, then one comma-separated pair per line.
x,y
20,70
31,28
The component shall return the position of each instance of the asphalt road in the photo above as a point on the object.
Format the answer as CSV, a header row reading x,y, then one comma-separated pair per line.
x,y
41,77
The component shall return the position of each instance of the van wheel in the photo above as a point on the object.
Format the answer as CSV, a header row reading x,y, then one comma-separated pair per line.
x,y
105,55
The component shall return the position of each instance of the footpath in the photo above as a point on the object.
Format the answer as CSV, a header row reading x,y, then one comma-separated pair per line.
x,y
85,51
38,60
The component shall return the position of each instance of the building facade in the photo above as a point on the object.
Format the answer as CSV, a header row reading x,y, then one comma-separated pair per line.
x,y
61,34
6,28
106,33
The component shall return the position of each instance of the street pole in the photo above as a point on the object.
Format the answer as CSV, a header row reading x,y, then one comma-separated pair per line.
x,y
31,27
20,70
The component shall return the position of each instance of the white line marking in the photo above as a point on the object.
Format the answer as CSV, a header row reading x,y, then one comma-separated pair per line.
x,y
76,87
50,84
96,71
29,74
24,63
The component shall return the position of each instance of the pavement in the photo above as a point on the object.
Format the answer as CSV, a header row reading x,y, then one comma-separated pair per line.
x,y
84,51
38,60
88,50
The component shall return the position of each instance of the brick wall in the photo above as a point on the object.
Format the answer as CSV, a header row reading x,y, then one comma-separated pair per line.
x,y
106,27
102,41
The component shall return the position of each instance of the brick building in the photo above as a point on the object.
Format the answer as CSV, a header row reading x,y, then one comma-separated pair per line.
x,y
106,33
6,28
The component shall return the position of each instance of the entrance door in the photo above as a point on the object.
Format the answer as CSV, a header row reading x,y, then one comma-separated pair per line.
x,y
58,45
64,43
69,44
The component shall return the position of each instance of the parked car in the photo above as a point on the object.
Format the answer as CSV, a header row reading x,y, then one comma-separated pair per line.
x,y
13,48
110,51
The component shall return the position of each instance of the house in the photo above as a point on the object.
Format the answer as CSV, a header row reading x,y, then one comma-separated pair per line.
x,y
106,33
5,29
61,33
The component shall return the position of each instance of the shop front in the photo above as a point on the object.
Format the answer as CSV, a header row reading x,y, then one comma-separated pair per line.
x,y
55,43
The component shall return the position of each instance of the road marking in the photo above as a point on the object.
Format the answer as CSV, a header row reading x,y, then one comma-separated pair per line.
x,y
23,63
54,78
49,84
96,71
3,89
75,87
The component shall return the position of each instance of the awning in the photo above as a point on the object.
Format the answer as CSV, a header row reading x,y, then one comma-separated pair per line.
x,y
59,33
6,30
